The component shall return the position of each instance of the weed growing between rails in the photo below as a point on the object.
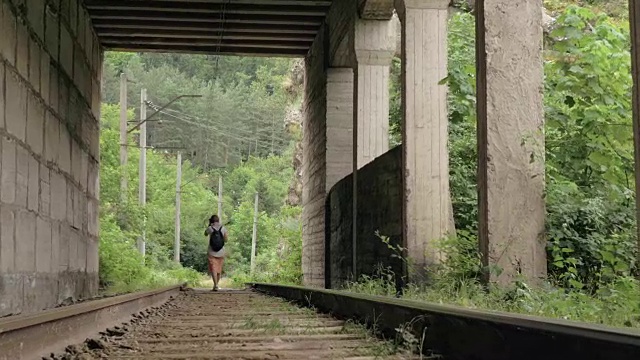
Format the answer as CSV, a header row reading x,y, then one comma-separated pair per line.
x,y
616,302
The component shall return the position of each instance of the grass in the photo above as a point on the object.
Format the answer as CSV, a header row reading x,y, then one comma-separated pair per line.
x,y
617,304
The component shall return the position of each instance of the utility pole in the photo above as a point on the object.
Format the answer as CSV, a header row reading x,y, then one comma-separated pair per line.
x,y
142,189
176,244
220,197
123,137
273,134
226,154
254,238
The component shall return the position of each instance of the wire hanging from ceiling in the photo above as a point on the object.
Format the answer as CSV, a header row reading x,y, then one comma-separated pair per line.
x,y
223,19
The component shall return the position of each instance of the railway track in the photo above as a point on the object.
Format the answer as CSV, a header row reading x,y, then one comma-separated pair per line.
x,y
264,323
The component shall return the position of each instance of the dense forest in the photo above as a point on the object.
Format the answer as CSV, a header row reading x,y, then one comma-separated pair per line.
x,y
246,128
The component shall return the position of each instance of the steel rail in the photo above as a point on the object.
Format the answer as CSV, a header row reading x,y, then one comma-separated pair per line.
x,y
36,335
461,333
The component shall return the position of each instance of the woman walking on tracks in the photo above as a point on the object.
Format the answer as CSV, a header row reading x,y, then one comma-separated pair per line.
x,y
217,237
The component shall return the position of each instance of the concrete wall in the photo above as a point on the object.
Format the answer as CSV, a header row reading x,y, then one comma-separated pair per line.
x,y
379,210
50,63
314,170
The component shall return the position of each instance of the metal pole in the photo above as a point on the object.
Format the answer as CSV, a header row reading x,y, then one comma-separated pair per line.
x,y
123,137
143,120
142,188
634,18
220,197
176,244
254,238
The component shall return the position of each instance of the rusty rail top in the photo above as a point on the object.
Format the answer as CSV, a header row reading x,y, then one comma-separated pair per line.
x,y
35,335
17,322
461,333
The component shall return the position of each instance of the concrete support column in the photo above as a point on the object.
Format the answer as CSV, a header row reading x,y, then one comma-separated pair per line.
x,y
339,125
327,146
510,139
427,204
373,49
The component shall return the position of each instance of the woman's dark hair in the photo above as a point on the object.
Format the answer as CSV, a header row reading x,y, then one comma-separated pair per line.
x,y
214,219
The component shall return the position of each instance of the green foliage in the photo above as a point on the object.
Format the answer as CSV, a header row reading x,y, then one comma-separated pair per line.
x,y
592,245
121,265
240,113
591,222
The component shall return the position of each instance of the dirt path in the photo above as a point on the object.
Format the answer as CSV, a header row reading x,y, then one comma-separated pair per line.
x,y
234,325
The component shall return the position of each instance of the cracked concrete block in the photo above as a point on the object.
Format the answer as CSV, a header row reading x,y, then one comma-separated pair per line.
x,y
25,241
45,191
16,102
33,186
8,29
79,208
35,125
64,256
43,246
22,175
70,203
35,12
81,254
94,138
34,64
51,138
66,51
63,97
72,244
79,77
92,178
40,292
54,88
73,16
64,151
7,239
92,217
9,169
52,34
84,169
88,41
95,99
11,294
2,97
76,166
22,53
45,77
82,31
58,196
55,247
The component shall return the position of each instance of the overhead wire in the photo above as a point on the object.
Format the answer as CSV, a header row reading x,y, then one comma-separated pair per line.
x,y
219,131
219,127
228,130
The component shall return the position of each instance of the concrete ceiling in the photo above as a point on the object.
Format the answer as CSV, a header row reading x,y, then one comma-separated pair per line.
x,y
227,27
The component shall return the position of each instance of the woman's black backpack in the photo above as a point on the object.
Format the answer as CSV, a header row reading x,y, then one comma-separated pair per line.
x,y
216,240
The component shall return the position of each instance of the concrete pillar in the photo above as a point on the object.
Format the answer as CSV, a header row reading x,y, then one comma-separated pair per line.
x,y
634,18
427,210
49,111
510,139
373,44
339,130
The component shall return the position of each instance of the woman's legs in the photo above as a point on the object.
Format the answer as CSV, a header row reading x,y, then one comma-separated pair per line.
x,y
217,271
212,272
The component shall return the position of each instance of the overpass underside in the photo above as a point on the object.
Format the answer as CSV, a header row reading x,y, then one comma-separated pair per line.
x,y
50,71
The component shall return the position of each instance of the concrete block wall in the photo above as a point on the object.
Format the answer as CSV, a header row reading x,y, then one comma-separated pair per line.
x,y
380,202
50,65
314,168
